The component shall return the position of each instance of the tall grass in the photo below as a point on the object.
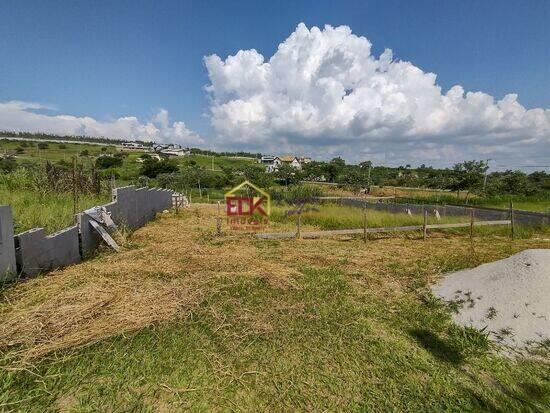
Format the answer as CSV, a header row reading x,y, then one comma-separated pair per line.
x,y
331,216
52,211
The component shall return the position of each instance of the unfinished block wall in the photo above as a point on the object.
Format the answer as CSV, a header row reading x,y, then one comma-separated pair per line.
x,y
130,207
8,267
37,252
33,252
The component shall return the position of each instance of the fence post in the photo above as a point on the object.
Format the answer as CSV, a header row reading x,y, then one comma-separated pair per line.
x,y
75,187
512,229
424,229
298,222
471,223
365,223
218,221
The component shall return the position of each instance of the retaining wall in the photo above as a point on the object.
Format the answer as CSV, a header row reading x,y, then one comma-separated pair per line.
x,y
485,214
33,252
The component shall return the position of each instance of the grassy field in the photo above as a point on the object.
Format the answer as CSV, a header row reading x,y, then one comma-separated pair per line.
x,y
51,211
182,320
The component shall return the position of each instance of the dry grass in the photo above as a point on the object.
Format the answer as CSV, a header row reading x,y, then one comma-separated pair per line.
x,y
160,274
165,268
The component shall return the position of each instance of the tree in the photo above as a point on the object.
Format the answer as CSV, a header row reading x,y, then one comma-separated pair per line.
x,y
287,174
151,167
104,162
334,168
468,176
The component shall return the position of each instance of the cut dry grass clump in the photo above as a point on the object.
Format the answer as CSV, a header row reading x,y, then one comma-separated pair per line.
x,y
161,274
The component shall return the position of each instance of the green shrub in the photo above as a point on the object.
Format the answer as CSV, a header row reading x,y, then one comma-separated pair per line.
x,y
297,193
42,145
151,167
104,162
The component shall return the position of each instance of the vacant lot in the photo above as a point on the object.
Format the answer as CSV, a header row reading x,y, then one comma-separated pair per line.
x,y
184,320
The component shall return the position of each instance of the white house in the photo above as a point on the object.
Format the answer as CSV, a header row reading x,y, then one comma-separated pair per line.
x,y
270,162
133,146
292,161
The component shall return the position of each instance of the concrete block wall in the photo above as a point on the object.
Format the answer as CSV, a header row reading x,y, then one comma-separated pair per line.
x,y
37,253
8,266
33,252
130,207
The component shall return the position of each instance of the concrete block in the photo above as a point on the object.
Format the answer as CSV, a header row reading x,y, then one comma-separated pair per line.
x,y
37,253
8,266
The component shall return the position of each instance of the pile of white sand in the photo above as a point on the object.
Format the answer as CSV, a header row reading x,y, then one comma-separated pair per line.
x,y
509,299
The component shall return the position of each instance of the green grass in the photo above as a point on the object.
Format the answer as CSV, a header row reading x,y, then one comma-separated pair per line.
x,y
323,346
52,211
332,217
353,328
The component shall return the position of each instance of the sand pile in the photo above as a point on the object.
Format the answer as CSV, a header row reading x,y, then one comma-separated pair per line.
x,y
509,299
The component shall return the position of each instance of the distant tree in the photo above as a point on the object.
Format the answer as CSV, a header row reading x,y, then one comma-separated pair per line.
x,y
287,174
151,167
516,182
334,168
104,162
468,176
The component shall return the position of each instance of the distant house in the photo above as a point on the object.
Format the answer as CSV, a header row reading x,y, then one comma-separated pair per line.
x,y
171,149
292,161
270,162
304,160
176,152
133,146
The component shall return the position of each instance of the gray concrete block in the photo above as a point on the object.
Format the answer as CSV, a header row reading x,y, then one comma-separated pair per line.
x,y
37,253
8,266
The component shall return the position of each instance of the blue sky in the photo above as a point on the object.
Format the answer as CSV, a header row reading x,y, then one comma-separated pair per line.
x,y
108,59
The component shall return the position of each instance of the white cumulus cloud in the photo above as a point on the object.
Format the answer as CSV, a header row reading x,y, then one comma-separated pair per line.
x,y
27,116
324,93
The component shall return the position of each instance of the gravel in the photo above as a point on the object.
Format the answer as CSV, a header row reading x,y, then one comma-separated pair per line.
x,y
509,299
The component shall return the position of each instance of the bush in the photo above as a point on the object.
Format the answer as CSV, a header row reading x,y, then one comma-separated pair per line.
x,y
19,149
85,152
104,162
297,194
8,165
151,167
43,145
62,146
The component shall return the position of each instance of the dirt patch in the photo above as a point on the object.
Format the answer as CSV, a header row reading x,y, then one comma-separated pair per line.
x,y
509,299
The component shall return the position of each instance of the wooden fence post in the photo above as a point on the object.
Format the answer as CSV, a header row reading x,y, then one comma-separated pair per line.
x,y
365,224
424,228
75,187
298,222
218,221
512,229
471,223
